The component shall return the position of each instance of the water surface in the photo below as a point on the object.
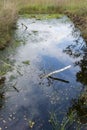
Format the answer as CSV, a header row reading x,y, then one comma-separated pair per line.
x,y
44,46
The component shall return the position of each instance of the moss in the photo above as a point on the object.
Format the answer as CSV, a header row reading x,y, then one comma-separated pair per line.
x,y
42,16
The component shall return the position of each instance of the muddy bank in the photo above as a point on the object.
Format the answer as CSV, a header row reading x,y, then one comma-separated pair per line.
x,y
80,22
4,44
6,36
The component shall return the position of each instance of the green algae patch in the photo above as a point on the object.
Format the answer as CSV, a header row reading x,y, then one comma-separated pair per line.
x,y
42,16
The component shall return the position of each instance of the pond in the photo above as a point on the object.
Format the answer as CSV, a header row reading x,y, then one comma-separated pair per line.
x,y
28,99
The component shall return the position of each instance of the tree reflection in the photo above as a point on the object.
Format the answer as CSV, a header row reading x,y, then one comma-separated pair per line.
x,y
78,45
79,49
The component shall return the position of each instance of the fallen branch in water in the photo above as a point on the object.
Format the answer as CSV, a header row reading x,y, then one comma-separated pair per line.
x,y
57,71
14,86
24,25
58,79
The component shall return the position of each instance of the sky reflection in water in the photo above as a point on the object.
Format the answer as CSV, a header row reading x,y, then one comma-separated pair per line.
x,y
48,45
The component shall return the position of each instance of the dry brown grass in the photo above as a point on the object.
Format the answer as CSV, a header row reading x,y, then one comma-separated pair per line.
x,y
8,16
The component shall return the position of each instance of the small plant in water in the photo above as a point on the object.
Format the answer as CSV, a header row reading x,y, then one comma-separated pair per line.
x,y
35,31
31,124
54,121
27,62
66,121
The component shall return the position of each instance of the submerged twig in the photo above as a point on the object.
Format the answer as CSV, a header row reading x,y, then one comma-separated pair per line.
x,y
24,25
57,71
62,80
15,87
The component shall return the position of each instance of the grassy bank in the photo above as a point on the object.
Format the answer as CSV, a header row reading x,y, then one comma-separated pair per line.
x,y
75,9
8,16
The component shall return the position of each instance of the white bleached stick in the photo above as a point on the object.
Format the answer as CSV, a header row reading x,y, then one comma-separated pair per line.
x,y
57,71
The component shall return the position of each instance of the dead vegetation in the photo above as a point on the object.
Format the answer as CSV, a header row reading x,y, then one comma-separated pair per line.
x,y
8,17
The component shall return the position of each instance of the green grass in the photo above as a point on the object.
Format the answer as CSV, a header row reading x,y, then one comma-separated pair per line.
x,y
40,9
56,6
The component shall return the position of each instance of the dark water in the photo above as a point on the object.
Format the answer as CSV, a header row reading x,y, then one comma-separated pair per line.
x,y
45,46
